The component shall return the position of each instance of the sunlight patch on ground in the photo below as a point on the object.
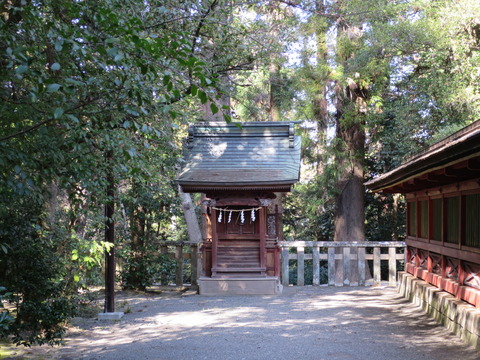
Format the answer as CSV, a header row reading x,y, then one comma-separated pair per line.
x,y
212,317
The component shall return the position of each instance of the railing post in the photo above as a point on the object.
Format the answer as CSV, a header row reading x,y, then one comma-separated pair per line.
x,y
316,264
179,265
377,275
194,263
444,272
417,258
361,266
406,256
392,266
285,280
331,266
300,266
346,266
461,278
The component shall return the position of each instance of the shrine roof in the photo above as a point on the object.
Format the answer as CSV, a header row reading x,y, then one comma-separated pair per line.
x,y
247,156
454,159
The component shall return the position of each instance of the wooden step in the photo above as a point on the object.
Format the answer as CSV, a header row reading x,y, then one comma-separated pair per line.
x,y
240,284
246,269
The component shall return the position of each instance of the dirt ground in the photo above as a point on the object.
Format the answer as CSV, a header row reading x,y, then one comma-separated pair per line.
x,y
308,323
87,323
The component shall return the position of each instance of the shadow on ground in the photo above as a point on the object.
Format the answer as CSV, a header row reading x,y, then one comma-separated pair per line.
x,y
303,323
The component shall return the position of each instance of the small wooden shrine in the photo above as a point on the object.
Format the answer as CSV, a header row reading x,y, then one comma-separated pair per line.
x,y
241,170
442,189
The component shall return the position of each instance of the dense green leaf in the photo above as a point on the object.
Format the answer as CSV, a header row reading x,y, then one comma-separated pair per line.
x,y
53,87
202,96
55,66
58,113
21,69
213,108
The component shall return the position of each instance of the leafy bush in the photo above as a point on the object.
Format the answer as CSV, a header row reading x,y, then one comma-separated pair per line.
x,y
34,271
5,318
141,270
308,276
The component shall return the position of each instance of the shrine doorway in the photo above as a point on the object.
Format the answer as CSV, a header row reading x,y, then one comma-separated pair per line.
x,y
238,243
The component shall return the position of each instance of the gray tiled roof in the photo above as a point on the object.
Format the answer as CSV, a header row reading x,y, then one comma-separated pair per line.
x,y
255,154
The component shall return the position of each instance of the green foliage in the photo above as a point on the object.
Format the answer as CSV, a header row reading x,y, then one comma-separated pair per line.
x,y
145,268
308,273
35,273
91,91
385,217
310,220
445,132
87,259
414,66
83,80
152,215
5,318
430,50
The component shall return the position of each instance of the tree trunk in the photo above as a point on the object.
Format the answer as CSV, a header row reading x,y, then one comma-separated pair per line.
x,y
275,95
137,229
223,101
350,201
110,238
137,245
188,208
320,103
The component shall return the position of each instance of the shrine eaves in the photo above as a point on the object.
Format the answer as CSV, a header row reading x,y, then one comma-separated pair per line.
x,y
251,156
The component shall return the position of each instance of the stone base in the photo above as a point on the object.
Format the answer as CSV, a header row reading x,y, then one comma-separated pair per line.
x,y
458,316
240,286
110,316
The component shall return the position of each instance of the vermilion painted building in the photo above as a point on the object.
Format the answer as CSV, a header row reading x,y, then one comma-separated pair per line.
x,y
442,190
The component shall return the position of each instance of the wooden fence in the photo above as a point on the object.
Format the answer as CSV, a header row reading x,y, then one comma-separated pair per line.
x,y
342,260
179,251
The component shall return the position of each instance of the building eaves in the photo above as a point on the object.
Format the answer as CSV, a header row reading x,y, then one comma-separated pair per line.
x,y
461,146
255,154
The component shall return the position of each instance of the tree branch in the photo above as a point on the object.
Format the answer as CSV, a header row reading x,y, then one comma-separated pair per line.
x,y
200,25
46,121
169,21
24,131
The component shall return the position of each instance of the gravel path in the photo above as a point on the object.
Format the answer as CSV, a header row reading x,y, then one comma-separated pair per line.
x,y
304,323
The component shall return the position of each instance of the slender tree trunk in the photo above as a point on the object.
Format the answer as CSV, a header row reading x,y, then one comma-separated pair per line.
x,y
110,238
320,103
275,95
137,242
188,208
137,222
276,115
223,80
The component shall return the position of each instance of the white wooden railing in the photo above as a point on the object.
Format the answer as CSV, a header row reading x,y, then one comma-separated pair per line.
x,y
347,262
321,254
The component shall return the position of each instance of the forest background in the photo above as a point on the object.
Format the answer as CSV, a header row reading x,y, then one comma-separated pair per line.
x,y
96,98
